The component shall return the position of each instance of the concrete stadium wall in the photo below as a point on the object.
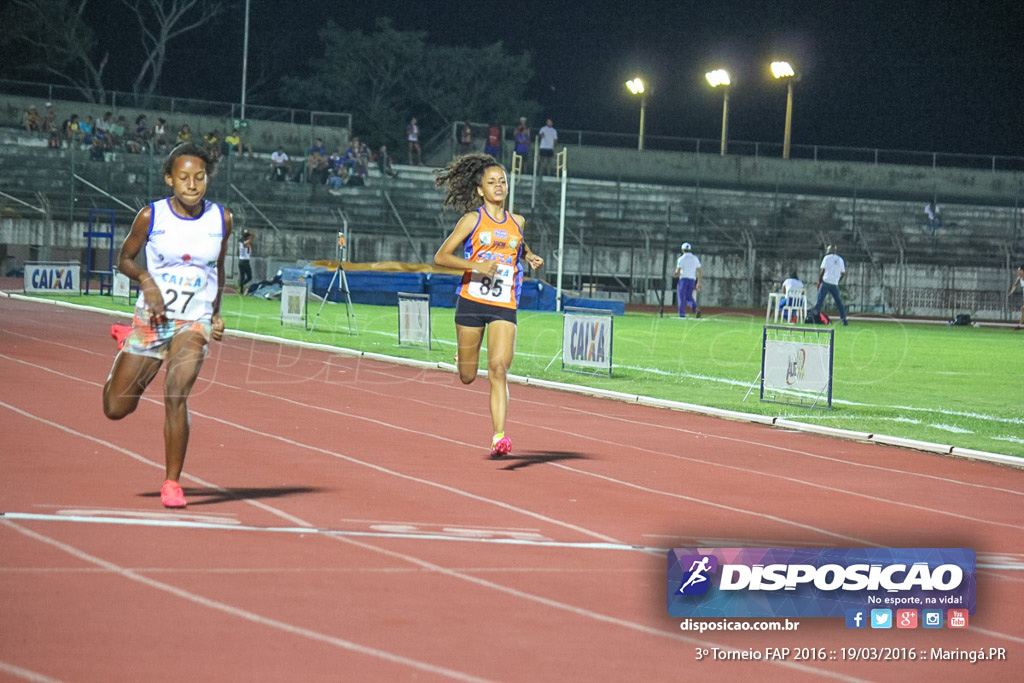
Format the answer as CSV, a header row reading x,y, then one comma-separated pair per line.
x,y
728,280
919,183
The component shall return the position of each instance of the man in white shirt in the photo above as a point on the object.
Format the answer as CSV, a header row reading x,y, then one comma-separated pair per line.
x,y
688,272
833,270
280,164
547,138
790,286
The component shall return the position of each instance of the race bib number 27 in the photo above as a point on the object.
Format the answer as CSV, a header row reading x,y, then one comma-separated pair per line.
x,y
182,295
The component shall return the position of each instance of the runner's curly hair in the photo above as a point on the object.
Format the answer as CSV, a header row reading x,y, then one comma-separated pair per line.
x,y
461,177
190,149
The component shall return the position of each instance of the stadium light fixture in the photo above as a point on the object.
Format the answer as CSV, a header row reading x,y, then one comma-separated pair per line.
x,y
720,77
784,70
636,86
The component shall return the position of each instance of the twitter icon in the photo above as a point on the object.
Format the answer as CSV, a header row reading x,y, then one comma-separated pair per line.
x,y
881,618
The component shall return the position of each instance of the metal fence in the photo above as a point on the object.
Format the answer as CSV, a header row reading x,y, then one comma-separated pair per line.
x,y
232,110
113,99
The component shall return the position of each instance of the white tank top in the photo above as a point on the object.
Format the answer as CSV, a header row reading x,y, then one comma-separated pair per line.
x,y
181,255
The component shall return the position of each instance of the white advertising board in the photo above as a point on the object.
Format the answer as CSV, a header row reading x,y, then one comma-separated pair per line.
x,y
796,364
53,277
413,319
587,340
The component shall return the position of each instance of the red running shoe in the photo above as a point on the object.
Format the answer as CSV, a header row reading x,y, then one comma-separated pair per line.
x,y
171,494
120,333
500,445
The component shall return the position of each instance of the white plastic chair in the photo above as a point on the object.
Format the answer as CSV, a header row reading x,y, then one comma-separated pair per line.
x,y
796,303
772,309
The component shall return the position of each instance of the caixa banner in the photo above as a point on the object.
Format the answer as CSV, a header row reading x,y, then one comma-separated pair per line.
x,y
817,582
53,277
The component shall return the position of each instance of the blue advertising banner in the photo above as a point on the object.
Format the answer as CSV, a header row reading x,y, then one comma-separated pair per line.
x,y
817,582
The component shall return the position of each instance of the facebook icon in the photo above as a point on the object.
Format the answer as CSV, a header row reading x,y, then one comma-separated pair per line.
x,y
856,618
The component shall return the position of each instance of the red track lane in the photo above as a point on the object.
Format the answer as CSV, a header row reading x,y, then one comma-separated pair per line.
x,y
367,517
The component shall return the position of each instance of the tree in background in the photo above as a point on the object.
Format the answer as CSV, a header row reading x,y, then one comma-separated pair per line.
x,y
50,38
386,77
56,39
160,22
477,84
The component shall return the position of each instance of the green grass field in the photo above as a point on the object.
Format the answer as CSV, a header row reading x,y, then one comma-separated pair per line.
x,y
949,385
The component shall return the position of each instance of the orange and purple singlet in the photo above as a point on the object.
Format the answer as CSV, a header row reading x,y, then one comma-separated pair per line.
x,y
500,241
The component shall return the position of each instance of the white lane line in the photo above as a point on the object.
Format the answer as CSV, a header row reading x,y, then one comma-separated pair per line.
x,y
309,530
334,454
25,674
244,614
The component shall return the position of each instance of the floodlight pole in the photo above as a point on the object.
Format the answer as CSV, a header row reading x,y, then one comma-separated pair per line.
x,y
245,56
560,170
789,120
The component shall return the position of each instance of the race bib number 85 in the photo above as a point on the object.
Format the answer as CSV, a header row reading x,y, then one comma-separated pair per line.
x,y
496,288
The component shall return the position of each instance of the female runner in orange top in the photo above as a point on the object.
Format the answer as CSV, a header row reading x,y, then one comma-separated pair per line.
x,y
487,243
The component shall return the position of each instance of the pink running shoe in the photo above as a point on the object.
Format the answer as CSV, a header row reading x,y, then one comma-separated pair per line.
x,y
500,445
171,494
120,333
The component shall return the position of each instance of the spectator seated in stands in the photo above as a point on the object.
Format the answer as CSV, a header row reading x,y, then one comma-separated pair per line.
x,y
139,140
71,132
31,121
336,170
86,127
100,145
383,160
49,119
363,152
316,169
336,173
184,134
357,177
233,144
117,131
161,137
350,158
211,141
104,123
280,165
316,162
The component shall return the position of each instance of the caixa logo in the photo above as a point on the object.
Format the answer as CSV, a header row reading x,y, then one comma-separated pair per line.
x,y
697,578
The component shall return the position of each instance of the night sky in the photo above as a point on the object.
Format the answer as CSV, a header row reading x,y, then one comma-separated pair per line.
x,y
926,76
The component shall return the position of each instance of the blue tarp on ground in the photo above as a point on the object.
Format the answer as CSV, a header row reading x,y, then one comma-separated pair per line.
x,y
441,288
536,296
370,287
301,273
381,288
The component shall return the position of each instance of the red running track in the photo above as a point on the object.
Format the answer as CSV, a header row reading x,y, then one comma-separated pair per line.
x,y
344,524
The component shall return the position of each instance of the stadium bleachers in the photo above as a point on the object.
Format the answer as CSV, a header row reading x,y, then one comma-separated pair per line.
x,y
617,232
